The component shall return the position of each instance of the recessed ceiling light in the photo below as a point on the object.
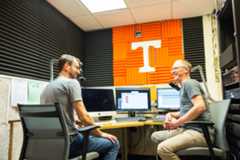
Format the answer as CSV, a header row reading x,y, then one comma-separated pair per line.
x,y
103,5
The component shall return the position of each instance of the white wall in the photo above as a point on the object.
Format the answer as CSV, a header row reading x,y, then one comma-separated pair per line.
x,y
211,45
8,113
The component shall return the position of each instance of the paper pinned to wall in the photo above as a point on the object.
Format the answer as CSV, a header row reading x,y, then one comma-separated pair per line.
x,y
35,89
18,92
5,86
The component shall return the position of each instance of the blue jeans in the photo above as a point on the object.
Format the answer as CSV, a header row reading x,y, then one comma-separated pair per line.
x,y
106,149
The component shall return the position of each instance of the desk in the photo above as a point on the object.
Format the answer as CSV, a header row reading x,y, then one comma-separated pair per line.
x,y
104,126
124,126
116,125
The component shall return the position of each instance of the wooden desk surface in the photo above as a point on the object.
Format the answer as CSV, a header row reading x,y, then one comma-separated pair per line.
x,y
115,125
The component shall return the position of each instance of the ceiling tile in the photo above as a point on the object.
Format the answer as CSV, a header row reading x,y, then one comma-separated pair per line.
x,y
143,3
70,8
87,23
139,11
192,8
115,18
152,13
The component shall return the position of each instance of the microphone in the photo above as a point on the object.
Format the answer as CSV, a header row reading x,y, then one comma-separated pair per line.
x,y
81,78
173,85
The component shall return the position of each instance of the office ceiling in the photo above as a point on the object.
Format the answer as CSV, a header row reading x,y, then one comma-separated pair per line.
x,y
137,11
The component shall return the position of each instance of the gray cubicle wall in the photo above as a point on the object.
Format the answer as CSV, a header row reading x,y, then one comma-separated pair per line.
x,y
31,33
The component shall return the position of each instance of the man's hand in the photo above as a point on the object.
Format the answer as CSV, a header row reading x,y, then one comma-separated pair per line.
x,y
168,117
173,124
112,138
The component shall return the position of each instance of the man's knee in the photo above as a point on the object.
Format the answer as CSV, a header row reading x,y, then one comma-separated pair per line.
x,y
163,149
154,137
116,145
158,136
112,145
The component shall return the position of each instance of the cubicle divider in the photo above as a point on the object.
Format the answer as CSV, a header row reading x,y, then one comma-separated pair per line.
x,y
15,90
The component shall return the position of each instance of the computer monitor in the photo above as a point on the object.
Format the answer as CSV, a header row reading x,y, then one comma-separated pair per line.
x,y
168,99
99,102
133,99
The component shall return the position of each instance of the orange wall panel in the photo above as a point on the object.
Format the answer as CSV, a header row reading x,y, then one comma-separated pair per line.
x,y
133,77
126,62
121,49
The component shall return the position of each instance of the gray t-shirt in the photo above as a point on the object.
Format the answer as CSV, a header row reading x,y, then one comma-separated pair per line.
x,y
189,89
64,91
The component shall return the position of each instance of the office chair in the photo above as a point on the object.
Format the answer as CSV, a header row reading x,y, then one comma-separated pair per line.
x,y
46,136
218,111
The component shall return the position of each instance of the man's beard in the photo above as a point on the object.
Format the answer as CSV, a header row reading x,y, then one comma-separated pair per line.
x,y
74,76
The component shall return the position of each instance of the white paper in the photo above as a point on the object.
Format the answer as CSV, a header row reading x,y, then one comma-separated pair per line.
x,y
5,85
35,89
18,92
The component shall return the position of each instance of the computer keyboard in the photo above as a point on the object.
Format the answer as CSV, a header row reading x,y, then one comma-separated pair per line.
x,y
130,119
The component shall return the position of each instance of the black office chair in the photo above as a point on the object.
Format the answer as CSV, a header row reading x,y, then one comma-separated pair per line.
x,y
46,136
220,148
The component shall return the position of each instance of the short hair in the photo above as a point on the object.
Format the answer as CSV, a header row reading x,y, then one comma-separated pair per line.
x,y
186,64
66,58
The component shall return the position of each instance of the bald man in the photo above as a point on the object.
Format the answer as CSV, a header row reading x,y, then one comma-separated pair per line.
x,y
193,107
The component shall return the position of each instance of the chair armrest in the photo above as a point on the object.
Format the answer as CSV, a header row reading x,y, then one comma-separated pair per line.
x,y
87,128
204,126
201,123
86,132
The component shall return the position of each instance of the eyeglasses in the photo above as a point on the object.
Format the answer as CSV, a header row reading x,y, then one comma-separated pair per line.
x,y
175,68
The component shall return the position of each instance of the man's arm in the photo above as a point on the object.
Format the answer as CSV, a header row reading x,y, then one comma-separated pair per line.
x,y
82,113
86,119
197,109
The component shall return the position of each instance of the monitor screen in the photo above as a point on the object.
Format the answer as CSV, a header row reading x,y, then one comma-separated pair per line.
x,y
168,99
133,99
98,99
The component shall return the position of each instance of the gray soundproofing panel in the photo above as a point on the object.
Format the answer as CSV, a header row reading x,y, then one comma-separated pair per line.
x,y
194,43
32,33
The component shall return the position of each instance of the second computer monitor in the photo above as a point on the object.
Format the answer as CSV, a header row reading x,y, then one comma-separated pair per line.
x,y
99,102
133,99
168,99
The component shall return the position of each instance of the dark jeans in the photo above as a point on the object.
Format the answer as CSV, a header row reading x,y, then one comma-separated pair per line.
x,y
106,149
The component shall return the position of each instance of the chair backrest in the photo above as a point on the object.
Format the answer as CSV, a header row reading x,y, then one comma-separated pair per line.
x,y
219,112
45,132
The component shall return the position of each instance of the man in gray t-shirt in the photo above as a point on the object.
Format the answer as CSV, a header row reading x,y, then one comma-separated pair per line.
x,y
66,91
191,88
193,107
